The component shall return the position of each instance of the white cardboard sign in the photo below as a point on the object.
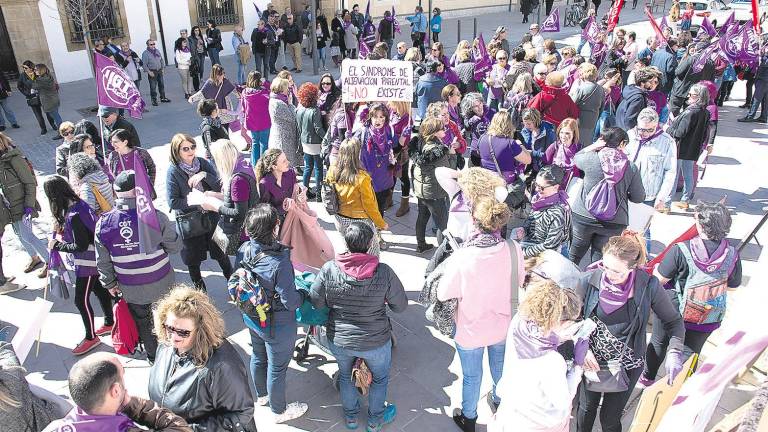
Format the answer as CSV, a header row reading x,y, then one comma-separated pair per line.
x,y
376,80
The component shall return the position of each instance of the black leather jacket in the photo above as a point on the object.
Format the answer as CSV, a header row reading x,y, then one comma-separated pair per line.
x,y
214,397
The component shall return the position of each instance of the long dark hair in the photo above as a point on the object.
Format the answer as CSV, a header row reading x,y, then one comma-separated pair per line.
x,y
60,198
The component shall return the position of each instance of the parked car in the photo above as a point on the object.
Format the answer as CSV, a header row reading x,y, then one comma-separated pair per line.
x,y
743,9
712,9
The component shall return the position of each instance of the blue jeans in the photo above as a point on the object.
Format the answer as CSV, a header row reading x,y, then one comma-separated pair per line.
x,y
241,72
31,243
472,371
55,116
321,56
310,162
685,168
8,113
269,362
262,63
259,146
213,54
379,361
582,42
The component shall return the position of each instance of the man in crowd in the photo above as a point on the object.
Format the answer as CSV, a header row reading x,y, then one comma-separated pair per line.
x,y
154,64
268,12
665,59
242,50
401,49
650,47
111,121
761,94
292,36
273,41
141,277
97,386
634,98
358,19
685,77
386,32
429,88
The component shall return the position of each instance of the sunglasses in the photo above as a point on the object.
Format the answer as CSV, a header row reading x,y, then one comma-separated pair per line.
x,y
602,267
650,130
68,133
541,74
326,83
501,58
178,332
540,188
151,44
190,148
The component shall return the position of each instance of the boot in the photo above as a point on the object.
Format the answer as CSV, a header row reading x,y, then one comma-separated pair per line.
x,y
465,424
404,207
200,286
388,202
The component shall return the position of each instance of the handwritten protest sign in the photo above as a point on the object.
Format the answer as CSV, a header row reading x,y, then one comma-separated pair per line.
x,y
376,80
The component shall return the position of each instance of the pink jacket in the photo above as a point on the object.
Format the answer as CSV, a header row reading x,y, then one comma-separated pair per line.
x,y
481,280
256,109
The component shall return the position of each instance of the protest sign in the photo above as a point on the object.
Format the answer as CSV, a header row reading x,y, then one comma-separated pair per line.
x,y
657,398
28,317
376,80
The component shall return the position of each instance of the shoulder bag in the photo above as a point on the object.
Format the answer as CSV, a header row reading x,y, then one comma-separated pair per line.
x,y
515,190
330,197
514,297
193,224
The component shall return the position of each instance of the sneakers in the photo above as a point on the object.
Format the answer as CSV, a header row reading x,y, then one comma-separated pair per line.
x,y
33,262
43,273
350,423
85,346
262,400
423,248
103,330
390,411
464,423
15,126
9,287
294,410
166,100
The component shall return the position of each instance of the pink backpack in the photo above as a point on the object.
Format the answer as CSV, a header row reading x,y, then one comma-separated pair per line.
x,y
125,335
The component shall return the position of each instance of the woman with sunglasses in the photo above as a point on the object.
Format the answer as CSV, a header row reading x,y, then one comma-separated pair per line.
x,y
497,78
67,131
549,224
194,354
619,296
33,98
188,172
329,94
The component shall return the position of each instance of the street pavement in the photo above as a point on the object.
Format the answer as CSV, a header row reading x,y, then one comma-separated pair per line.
x,y
425,377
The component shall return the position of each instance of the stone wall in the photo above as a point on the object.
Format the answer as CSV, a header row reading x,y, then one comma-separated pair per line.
x,y
22,18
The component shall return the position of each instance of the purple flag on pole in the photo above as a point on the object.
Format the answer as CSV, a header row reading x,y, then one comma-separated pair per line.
x,y
728,22
258,11
362,49
750,46
394,20
149,227
591,30
709,53
663,24
708,27
483,61
552,23
115,88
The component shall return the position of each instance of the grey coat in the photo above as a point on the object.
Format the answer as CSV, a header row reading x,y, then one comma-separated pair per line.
x,y
49,95
285,132
589,97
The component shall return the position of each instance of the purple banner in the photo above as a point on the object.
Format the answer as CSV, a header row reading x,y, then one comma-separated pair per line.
x,y
728,23
149,227
362,49
115,88
708,27
709,53
394,20
591,30
750,46
483,61
552,23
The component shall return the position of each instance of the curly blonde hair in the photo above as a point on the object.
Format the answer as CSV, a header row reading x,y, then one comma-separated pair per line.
x,y
187,302
547,305
476,182
489,214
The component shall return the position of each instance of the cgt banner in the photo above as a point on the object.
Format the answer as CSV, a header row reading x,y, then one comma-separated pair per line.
x,y
376,80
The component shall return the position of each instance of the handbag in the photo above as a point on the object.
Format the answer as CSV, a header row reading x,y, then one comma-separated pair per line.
x,y
515,190
34,100
613,377
228,243
193,224
330,197
226,114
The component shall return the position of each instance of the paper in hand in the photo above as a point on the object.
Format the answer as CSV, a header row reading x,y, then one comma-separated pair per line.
x,y
196,197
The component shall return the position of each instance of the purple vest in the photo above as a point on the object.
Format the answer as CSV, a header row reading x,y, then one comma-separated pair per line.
x,y
85,262
118,231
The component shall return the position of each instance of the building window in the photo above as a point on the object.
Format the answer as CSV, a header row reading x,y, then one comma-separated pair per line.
x,y
104,18
222,12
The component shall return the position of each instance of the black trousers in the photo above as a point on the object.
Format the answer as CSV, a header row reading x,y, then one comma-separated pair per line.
x,y
405,179
273,52
436,36
418,42
84,287
38,111
381,199
438,209
586,237
142,315
610,410
750,78
725,92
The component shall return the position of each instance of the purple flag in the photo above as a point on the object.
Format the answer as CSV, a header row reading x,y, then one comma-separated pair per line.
x,y
590,31
552,23
750,46
728,22
708,27
115,88
483,61
663,24
258,11
709,53
394,20
362,49
149,227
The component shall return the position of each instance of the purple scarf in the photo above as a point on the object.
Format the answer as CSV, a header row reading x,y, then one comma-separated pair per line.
x,y
454,114
191,170
244,166
379,138
185,49
482,239
539,203
564,155
82,422
280,96
614,164
705,262
529,343
613,296
125,54
643,141
154,51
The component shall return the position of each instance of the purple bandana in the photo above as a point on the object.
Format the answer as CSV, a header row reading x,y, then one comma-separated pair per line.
x,y
125,54
185,49
280,96
529,343
564,155
613,163
378,137
613,296
539,203
703,260
154,51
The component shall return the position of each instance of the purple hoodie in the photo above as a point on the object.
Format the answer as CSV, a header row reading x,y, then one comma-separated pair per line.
x,y
78,420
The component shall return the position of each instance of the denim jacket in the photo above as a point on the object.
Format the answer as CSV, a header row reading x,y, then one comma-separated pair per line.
x,y
657,162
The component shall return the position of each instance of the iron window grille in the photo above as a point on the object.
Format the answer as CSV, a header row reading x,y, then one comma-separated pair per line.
x,y
222,12
104,17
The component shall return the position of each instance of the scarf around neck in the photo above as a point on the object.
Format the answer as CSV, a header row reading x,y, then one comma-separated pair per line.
x,y
540,203
703,260
564,155
643,141
280,96
613,296
154,51
185,49
378,139
191,170
529,342
482,239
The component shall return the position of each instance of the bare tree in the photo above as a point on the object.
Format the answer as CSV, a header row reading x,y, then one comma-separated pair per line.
x,y
84,13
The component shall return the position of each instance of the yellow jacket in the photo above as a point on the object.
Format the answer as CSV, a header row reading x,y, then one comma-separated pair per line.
x,y
357,201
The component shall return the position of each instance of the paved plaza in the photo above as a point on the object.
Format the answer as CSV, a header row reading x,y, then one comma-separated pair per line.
x,y
425,380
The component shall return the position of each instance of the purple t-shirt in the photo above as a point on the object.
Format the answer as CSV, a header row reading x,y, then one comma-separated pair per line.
x,y
270,192
505,149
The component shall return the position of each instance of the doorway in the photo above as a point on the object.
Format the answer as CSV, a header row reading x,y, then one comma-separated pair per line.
x,y
8,66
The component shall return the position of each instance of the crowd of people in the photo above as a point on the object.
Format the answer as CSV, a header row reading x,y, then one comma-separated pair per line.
x,y
529,173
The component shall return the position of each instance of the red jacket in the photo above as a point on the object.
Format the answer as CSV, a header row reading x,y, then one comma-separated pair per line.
x,y
555,105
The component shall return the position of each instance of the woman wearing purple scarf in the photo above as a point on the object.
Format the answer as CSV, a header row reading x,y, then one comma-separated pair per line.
x,y
708,263
549,224
538,385
377,152
561,152
498,150
618,295
437,54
